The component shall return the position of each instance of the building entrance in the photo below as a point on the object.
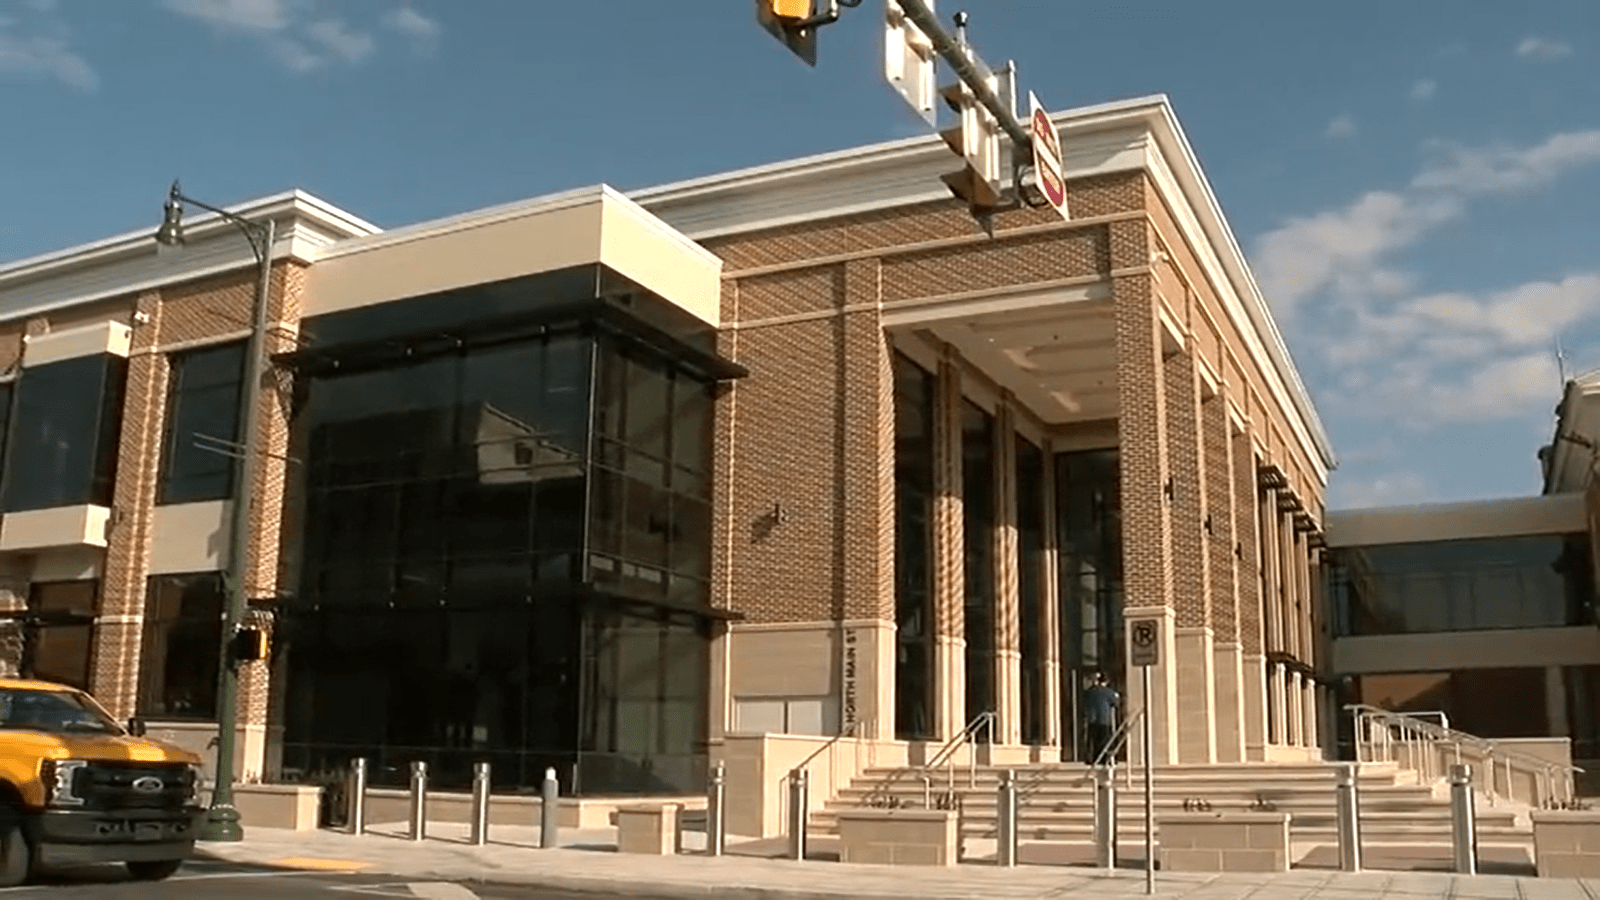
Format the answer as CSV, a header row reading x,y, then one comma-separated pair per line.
x,y
1089,541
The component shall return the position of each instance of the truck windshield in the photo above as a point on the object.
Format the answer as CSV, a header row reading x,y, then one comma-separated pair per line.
x,y
56,712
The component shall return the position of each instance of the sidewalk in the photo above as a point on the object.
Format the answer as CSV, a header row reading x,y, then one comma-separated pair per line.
x,y
587,863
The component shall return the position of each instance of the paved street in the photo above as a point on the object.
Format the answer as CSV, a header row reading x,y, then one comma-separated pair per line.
x,y
208,880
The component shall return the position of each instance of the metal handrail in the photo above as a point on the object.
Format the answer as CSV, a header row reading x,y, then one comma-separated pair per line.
x,y
847,732
1412,730
945,753
1119,739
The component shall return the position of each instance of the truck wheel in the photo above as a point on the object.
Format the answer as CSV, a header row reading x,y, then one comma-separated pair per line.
x,y
16,857
153,869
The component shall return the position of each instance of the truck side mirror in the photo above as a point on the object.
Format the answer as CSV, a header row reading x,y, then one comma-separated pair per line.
x,y
136,727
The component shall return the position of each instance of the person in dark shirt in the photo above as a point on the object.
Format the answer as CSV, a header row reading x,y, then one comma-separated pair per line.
x,y
1101,704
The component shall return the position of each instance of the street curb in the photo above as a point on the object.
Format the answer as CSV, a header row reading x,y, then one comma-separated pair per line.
x,y
600,886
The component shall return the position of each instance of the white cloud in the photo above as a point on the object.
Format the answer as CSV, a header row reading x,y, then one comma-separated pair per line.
x,y
1342,127
39,48
1534,47
408,21
1424,89
1502,170
1394,489
1348,248
303,34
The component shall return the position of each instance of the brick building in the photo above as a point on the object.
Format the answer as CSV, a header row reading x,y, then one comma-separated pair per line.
x,y
719,468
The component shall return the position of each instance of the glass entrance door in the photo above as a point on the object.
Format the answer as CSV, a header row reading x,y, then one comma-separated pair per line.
x,y
1089,542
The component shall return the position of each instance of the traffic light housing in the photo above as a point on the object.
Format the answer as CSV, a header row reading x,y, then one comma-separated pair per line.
x,y
791,21
976,139
250,644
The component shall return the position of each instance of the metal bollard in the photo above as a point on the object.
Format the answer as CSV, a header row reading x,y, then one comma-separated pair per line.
x,y
419,800
356,802
1348,809
1463,821
1006,832
716,811
550,811
1105,817
480,803
799,806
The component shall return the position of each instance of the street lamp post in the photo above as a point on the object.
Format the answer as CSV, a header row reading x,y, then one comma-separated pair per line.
x,y
222,819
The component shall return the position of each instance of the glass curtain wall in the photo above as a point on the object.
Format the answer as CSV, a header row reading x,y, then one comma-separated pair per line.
x,y
978,521
913,557
445,611
1089,541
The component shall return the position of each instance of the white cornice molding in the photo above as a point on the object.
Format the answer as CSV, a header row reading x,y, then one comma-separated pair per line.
x,y
1122,136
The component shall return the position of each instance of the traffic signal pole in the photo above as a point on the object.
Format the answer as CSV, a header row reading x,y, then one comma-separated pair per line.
x,y
954,52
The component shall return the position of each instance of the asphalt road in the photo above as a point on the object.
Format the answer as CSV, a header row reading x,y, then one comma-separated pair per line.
x,y
204,880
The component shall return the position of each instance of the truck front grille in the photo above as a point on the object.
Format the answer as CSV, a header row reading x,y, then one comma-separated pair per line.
x,y
113,786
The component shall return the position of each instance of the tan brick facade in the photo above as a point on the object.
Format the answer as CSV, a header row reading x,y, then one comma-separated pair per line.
x,y
1190,560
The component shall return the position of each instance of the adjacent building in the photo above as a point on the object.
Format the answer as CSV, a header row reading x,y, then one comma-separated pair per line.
x,y
1484,612
724,468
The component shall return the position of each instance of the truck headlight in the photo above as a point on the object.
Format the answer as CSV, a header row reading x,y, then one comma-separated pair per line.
x,y
196,781
59,777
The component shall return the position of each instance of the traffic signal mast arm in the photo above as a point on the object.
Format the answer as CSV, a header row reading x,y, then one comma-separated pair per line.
x,y
955,54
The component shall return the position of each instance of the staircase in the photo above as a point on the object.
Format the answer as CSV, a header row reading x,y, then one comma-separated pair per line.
x,y
1056,800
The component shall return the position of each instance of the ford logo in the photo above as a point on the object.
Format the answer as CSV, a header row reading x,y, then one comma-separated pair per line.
x,y
149,784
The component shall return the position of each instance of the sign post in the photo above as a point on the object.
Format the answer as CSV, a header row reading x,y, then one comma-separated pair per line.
x,y
1048,168
1145,652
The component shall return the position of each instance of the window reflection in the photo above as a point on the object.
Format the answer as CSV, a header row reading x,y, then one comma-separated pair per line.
x,y
65,432
202,424
182,642
1539,581
464,558
913,558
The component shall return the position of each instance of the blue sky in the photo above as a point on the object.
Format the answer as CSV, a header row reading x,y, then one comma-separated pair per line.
x,y
1417,184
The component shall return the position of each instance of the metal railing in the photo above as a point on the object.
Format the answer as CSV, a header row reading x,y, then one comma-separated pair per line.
x,y
1383,735
848,731
945,756
1106,757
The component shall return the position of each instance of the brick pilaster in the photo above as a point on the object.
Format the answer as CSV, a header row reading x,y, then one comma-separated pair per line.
x,y
1249,557
949,584
1007,621
1050,645
114,678
1142,438
1221,544
1196,682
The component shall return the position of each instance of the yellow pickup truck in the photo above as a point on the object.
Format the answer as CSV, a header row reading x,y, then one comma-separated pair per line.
x,y
78,787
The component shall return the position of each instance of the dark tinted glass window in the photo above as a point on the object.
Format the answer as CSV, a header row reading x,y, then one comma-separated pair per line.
x,y
978,513
202,424
1030,586
182,641
1539,581
913,558
65,430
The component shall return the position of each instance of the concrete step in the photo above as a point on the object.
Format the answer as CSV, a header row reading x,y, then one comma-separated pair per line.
x,y
1371,830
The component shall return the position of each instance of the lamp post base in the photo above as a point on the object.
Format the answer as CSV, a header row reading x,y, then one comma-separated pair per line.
x,y
221,824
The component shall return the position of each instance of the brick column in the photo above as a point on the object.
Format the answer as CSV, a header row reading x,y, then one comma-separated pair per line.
x,y
1221,543
1050,642
266,513
1310,703
1142,438
1249,559
1196,697
1007,622
949,652
119,625
1292,579
1272,613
